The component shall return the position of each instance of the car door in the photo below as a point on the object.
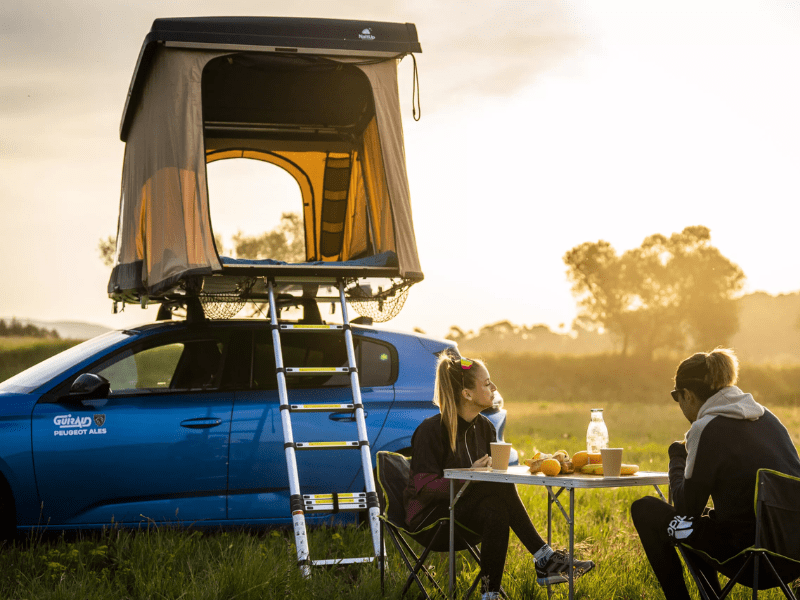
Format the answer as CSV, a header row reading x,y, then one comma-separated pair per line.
x,y
258,477
155,449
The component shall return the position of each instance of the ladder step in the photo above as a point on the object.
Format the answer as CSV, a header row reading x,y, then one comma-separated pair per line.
x,y
311,327
316,370
341,561
326,445
321,407
344,501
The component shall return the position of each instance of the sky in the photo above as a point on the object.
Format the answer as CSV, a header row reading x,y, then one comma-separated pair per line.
x,y
544,125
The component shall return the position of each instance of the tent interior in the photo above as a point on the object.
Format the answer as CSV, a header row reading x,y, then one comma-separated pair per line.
x,y
331,122
310,121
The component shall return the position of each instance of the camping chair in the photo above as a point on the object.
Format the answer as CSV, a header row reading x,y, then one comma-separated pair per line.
x,y
393,471
777,540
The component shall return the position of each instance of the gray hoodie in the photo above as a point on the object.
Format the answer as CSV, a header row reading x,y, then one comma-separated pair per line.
x,y
732,438
729,402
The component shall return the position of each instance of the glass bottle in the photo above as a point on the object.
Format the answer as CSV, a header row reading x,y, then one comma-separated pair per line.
x,y
597,434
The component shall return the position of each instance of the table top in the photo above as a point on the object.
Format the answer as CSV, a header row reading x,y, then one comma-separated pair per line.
x,y
521,474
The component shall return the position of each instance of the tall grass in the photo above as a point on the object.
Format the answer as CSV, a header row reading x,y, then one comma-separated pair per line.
x,y
548,400
17,354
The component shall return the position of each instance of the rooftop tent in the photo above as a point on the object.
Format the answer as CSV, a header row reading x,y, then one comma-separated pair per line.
x,y
316,97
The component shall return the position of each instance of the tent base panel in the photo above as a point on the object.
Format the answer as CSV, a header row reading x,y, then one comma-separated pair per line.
x,y
243,280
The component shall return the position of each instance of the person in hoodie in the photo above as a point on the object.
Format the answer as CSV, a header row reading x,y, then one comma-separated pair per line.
x,y
460,437
731,437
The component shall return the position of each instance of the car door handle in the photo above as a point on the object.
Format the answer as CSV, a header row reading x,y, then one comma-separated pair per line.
x,y
200,423
344,416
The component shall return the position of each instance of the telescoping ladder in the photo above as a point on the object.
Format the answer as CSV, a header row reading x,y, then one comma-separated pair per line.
x,y
332,502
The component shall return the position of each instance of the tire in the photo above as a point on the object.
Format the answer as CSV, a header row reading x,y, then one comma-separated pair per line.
x,y
8,512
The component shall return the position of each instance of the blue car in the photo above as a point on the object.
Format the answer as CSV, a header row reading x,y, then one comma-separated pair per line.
x,y
187,429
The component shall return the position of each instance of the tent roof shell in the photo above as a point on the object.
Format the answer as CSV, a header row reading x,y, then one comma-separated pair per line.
x,y
290,35
370,45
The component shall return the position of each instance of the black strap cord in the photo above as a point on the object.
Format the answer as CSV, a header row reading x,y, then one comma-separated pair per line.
x,y
416,108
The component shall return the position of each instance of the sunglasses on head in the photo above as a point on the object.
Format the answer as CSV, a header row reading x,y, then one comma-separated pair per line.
x,y
696,384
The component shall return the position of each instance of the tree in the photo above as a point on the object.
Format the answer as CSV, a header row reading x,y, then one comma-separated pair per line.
x,y
669,293
285,242
107,247
456,334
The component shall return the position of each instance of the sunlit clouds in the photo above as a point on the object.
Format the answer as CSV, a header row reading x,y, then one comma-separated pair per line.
x,y
545,125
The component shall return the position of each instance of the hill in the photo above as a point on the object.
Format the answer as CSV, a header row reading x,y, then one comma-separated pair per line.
x,y
68,330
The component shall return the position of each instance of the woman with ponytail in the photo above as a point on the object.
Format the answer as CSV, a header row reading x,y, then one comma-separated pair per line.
x,y
730,438
460,437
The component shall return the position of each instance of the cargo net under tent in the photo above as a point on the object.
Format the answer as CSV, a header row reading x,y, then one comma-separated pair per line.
x,y
315,97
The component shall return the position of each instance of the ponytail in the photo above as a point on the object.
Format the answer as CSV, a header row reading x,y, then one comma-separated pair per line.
x,y
723,368
451,380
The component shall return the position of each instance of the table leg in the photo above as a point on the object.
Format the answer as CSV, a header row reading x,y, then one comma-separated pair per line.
x,y
660,494
571,542
549,529
451,562
549,517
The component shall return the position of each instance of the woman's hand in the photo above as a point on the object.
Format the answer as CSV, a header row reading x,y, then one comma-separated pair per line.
x,y
483,461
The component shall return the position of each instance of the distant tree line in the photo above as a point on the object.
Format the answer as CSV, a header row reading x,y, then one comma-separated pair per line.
x,y
16,329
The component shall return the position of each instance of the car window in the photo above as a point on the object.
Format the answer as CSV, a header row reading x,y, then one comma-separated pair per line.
x,y
376,362
39,374
184,365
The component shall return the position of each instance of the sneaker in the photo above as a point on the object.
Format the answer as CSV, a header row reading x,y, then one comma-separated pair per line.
x,y
556,569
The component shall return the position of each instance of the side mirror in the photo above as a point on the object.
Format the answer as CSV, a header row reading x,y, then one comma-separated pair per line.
x,y
89,386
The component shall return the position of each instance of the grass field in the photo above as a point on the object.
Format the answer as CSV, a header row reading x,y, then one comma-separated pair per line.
x,y
19,353
548,401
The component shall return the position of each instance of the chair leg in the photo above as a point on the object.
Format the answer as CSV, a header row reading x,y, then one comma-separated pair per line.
x,y
755,577
420,561
474,585
413,575
784,588
727,589
702,586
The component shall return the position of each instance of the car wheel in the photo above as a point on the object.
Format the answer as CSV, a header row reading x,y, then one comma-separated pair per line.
x,y
8,513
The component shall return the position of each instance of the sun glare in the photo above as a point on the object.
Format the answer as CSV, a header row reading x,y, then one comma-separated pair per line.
x,y
249,196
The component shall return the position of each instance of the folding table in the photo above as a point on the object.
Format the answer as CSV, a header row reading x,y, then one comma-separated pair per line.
x,y
559,483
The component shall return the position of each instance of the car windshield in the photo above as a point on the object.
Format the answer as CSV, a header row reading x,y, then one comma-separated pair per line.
x,y
39,374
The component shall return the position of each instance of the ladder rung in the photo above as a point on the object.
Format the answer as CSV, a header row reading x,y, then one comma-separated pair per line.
x,y
344,501
341,561
311,327
325,445
316,370
329,507
320,407
358,506
347,495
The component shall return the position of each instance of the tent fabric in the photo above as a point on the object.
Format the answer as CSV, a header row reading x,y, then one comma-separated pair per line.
x,y
164,230
355,190
383,76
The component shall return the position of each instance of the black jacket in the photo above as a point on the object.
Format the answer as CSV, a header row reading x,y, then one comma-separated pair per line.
x,y
729,453
431,455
